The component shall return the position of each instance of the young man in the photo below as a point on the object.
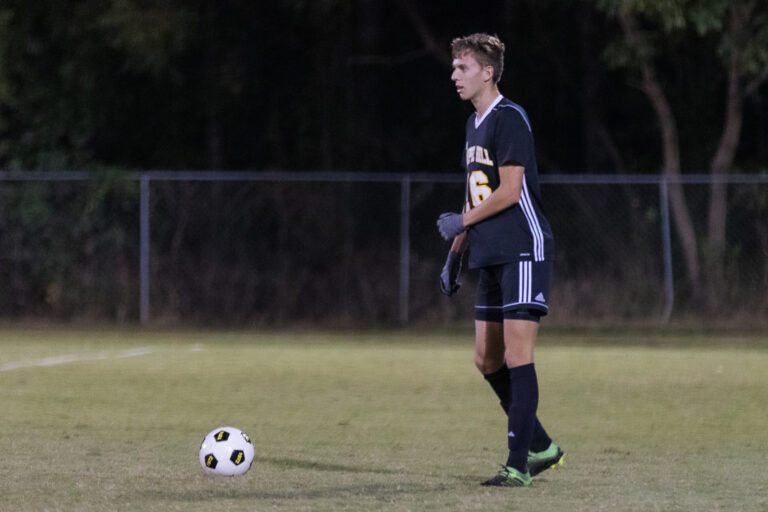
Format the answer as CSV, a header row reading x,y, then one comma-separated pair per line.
x,y
510,243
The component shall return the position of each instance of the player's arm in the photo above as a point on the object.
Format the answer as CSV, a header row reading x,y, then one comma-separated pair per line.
x,y
459,243
507,194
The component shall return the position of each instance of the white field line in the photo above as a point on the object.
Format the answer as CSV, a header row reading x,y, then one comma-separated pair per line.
x,y
75,358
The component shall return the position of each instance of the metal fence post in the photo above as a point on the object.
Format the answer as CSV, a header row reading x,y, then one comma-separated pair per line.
x,y
144,248
405,248
666,240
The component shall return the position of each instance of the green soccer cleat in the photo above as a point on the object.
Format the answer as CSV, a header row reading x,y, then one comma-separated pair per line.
x,y
509,477
549,458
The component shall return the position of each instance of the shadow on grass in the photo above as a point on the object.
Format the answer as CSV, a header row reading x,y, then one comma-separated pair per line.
x,y
377,491
323,466
214,488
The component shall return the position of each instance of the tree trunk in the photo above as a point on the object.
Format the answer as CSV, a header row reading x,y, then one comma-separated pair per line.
x,y
721,164
671,169
740,16
671,158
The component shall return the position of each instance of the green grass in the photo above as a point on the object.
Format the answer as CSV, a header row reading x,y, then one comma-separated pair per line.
x,y
375,421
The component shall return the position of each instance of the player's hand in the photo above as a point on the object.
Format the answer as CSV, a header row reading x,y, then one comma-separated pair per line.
x,y
449,277
450,225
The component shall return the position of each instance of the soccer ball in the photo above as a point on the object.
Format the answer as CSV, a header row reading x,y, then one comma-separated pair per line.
x,y
226,451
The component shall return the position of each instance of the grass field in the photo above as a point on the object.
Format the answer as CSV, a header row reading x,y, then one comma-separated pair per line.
x,y
106,420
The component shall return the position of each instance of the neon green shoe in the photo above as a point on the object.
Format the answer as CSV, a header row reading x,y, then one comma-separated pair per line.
x,y
510,477
549,458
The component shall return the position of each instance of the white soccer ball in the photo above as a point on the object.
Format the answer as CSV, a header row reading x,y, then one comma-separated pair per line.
x,y
226,451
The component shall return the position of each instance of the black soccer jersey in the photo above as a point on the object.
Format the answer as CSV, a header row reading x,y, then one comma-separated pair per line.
x,y
521,232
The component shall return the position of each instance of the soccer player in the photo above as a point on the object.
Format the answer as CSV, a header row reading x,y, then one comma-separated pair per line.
x,y
510,244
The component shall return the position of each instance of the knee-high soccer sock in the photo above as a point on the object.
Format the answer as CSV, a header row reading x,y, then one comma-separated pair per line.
x,y
524,399
501,385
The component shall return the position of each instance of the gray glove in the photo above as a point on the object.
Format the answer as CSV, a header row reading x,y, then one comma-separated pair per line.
x,y
450,225
449,277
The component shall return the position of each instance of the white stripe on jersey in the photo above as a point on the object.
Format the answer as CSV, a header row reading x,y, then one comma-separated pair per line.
x,y
533,223
525,200
522,113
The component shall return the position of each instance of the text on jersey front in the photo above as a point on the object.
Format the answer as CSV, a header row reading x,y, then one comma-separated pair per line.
x,y
478,154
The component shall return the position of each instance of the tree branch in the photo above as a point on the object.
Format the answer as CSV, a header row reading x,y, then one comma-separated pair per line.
x,y
425,33
756,82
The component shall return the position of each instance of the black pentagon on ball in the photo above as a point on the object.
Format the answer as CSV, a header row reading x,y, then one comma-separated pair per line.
x,y
210,461
237,457
221,435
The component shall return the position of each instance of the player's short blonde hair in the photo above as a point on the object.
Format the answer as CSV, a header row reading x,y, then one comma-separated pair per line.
x,y
488,50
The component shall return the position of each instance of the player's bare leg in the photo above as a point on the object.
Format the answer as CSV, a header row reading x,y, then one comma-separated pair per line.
x,y
519,341
489,346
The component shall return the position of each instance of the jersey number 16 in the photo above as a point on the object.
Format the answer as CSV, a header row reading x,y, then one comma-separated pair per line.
x,y
477,182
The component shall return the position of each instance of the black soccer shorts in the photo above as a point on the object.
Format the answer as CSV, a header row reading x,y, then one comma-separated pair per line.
x,y
517,290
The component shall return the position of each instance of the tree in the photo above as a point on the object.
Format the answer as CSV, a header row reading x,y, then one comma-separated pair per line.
x,y
739,29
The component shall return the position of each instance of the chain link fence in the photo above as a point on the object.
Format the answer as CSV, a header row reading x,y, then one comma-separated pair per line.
x,y
345,249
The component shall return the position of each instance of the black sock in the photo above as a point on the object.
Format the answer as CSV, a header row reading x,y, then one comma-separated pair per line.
x,y
499,381
540,440
524,393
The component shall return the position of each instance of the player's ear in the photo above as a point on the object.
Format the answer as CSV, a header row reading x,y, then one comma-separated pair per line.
x,y
487,74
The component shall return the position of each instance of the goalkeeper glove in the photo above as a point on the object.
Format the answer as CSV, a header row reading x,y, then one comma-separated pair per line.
x,y
449,277
450,225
